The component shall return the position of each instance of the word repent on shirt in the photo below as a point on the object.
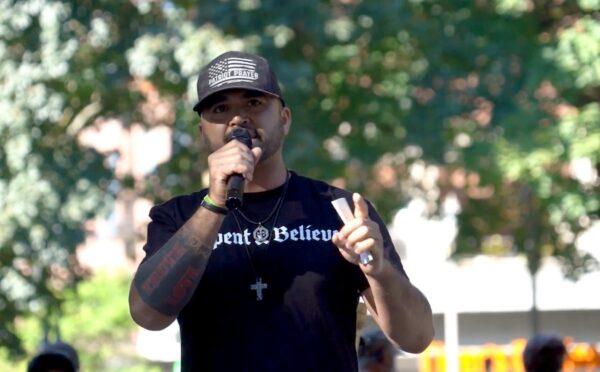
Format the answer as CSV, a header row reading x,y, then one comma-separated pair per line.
x,y
280,235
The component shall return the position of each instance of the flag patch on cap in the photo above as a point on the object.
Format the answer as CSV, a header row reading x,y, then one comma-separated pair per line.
x,y
231,70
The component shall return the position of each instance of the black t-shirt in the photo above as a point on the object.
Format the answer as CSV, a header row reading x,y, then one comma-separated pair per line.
x,y
306,320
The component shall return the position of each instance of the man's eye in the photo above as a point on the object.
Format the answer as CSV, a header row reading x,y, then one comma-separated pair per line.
x,y
254,102
219,109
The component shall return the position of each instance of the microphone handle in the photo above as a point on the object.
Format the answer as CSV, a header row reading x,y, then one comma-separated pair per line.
x,y
235,191
235,183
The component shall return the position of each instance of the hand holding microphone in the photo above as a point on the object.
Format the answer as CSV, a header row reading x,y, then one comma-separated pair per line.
x,y
230,166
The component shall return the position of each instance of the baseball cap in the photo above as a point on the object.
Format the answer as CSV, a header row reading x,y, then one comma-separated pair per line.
x,y
236,70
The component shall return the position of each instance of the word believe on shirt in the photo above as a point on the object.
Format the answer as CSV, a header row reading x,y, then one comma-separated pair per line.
x,y
281,234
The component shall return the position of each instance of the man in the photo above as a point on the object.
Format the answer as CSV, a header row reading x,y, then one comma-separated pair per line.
x,y
272,285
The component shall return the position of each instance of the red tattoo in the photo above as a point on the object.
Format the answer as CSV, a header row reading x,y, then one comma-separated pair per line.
x,y
182,287
162,269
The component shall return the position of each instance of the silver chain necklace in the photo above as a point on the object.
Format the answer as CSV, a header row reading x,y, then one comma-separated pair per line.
x,y
259,286
261,233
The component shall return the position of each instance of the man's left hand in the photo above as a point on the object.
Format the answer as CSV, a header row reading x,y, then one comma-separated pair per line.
x,y
359,235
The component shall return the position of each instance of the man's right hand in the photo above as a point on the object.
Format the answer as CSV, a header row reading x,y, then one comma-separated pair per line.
x,y
233,157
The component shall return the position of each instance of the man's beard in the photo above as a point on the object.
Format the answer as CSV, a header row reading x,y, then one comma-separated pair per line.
x,y
272,146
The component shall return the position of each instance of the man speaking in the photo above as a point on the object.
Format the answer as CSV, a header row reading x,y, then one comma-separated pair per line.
x,y
266,277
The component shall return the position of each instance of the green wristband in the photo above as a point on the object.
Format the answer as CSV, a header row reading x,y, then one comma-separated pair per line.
x,y
210,204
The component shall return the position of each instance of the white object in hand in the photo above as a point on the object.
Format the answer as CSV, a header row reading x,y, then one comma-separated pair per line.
x,y
343,210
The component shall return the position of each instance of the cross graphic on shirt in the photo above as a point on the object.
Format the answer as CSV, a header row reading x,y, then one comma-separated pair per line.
x,y
258,287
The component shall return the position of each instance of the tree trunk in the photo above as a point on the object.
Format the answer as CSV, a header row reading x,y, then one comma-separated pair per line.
x,y
534,314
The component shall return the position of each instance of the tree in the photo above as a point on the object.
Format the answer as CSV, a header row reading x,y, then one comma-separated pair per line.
x,y
61,67
496,98
95,320
494,101
48,184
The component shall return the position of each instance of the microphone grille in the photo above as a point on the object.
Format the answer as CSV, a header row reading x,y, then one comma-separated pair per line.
x,y
240,134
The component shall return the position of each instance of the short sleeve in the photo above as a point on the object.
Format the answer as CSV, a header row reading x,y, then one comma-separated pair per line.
x,y
160,229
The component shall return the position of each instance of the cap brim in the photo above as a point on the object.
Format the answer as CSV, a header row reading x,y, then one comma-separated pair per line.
x,y
198,106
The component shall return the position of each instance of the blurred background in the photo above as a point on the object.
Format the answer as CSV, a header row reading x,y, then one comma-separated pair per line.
x,y
473,126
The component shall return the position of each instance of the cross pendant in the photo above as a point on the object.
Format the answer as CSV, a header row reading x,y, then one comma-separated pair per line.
x,y
258,287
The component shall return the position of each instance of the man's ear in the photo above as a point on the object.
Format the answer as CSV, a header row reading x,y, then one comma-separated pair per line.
x,y
200,131
286,119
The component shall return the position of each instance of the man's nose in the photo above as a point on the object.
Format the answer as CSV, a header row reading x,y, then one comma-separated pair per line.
x,y
239,119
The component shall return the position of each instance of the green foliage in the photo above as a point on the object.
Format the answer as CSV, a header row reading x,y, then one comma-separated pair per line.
x,y
486,90
95,320
578,52
49,185
7,363
538,199
498,97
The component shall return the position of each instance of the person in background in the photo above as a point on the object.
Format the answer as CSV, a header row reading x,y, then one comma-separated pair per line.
x,y
55,357
544,353
375,352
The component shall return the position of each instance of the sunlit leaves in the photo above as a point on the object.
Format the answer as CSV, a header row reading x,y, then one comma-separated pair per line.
x,y
578,52
50,185
492,101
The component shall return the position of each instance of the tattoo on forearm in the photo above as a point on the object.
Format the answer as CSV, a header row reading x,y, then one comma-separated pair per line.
x,y
169,278
184,286
162,268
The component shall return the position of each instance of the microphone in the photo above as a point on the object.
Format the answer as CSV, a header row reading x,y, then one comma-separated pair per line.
x,y
235,183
